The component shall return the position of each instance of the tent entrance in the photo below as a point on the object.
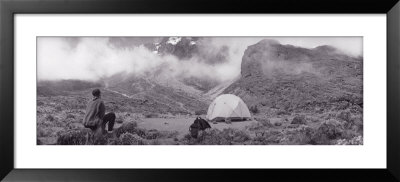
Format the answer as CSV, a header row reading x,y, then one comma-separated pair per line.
x,y
233,119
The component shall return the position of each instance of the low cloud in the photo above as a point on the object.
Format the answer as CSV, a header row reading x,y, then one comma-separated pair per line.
x,y
94,58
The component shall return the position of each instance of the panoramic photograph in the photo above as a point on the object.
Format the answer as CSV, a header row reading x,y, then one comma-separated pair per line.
x,y
199,90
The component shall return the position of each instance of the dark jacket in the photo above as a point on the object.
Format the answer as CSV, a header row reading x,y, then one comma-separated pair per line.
x,y
95,111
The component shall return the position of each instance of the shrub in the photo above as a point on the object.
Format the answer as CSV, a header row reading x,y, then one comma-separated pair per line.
x,y
358,140
299,136
282,112
255,126
211,137
267,138
70,116
235,135
356,109
73,125
299,119
43,131
344,116
152,134
313,119
131,139
84,136
58,108
114,141
261,124
228,136
151,115
74,137
161,134
187,138
265,122
98,139
349,133
128,127
154,142
254,109
200,112
327,132
50,117
39,103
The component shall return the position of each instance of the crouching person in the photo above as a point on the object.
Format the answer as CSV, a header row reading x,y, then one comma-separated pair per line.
x,y
198,125
95,117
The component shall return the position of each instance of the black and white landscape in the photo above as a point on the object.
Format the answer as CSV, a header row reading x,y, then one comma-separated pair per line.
x,y
298,90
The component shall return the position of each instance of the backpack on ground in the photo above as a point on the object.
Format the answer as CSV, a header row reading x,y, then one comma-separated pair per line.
x,y
194,129
203,123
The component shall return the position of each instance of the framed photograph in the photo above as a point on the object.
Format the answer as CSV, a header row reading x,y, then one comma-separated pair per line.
x,y
155,91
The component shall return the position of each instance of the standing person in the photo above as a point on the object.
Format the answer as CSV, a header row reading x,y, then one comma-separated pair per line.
x,y
95,117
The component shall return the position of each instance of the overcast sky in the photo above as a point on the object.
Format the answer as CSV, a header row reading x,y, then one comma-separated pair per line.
x,y
94,57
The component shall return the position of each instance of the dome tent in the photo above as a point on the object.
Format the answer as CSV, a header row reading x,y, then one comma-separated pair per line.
x,y
228,106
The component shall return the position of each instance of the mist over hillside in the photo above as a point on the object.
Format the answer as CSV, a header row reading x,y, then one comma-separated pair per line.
x,y
95,58
188,72
98,58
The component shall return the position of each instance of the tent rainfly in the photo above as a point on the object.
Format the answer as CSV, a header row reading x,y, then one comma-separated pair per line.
x,y
228,106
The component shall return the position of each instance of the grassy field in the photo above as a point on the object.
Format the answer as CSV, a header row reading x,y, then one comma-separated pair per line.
x,y
59,121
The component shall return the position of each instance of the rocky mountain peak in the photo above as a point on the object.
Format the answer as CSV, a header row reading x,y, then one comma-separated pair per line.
x,y
255,56
267,42
181,47
270,54
325,49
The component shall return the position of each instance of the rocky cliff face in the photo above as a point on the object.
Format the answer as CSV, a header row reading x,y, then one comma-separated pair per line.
x,y
256,56
289,78
185,48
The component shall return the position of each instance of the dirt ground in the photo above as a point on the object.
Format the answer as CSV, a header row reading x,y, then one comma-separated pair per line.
x,y
182,124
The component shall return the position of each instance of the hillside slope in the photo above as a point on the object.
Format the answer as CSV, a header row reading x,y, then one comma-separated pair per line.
x,y
285,78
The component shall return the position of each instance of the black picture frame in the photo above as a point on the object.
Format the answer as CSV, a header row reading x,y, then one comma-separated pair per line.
x,y
9,8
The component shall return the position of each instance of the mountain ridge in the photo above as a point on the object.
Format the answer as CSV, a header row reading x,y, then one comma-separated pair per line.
x,y
273,75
